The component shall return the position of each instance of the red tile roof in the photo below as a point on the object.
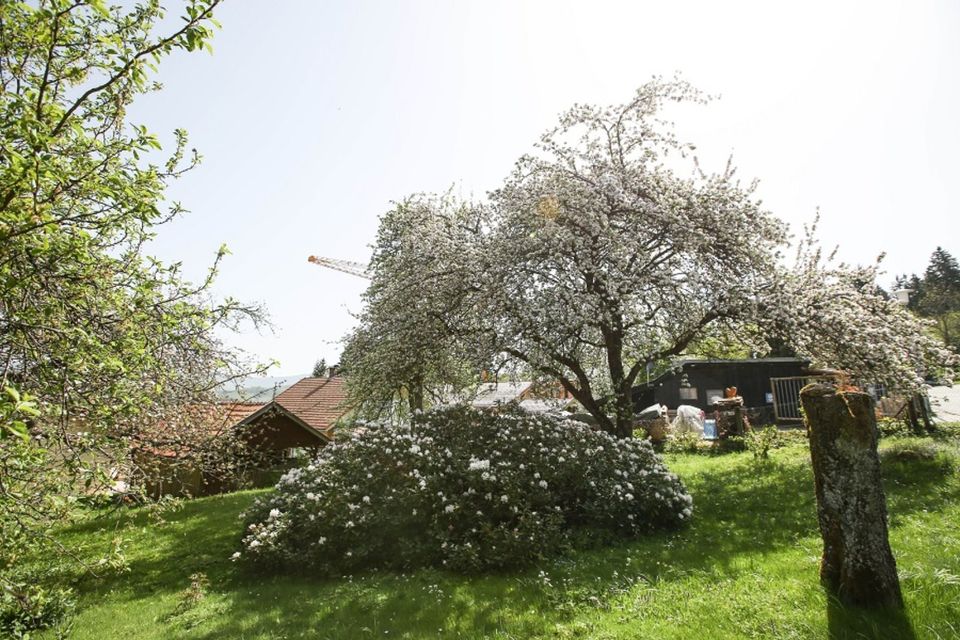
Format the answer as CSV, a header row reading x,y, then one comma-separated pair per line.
x,y
318,402
237,411
192,425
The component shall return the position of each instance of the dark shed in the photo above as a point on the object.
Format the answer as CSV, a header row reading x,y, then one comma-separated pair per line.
x,y
695,382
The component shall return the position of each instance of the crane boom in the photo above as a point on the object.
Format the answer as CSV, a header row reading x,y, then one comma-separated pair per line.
x,y
346,266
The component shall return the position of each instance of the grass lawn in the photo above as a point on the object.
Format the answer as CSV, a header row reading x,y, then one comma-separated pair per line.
x,y
746,567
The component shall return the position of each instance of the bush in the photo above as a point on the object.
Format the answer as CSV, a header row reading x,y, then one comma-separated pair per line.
x,y
761,441
463,489
946,431
893,428
914,450
686,442
26,607
193,595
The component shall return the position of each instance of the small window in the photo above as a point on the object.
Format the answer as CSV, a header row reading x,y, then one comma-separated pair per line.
x,y
688,393
714,395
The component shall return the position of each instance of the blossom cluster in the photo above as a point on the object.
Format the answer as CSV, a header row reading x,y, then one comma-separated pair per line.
x,y
463,489
836,315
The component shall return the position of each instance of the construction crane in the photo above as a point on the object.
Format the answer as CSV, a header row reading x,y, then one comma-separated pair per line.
x,y
346,266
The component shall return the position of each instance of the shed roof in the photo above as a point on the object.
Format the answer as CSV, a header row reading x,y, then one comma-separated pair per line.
x,y
732,361
678,366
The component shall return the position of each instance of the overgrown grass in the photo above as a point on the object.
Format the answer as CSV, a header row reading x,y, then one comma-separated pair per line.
x,y
745,568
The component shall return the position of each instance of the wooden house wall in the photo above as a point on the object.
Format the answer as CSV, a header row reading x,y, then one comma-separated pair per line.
x,y
278,432
752,380
272,435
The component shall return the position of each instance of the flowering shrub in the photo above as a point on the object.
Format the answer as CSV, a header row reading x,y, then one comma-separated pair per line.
x,y
460,488
688,442
893,428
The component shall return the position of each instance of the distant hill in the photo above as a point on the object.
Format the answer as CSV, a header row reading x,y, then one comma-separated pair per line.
x,y
259,388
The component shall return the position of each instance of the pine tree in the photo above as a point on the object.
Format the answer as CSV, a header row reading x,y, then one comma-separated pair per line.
x,y
943,273
914,284
320,368
938,294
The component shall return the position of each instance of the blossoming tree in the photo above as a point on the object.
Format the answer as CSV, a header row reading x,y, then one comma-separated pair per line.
x,y
406,350
608,249
606,260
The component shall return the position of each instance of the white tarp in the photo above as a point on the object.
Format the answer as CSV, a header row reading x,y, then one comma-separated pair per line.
x,y
653,412
689,419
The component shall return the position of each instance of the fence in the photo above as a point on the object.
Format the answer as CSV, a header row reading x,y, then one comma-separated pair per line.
x,y
786,395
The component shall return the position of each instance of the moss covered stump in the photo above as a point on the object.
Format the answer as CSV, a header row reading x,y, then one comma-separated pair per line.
x,y
857,562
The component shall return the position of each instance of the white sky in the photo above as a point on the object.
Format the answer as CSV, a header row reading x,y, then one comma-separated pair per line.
x,y
313,116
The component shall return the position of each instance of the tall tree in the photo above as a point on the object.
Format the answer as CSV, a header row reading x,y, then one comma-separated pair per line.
x,y
936,295
109,341
407,348
597,259
605,261
940,297
90,325
319,368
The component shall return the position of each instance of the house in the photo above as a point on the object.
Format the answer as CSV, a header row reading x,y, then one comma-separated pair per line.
x,y
533,397
183,452
294,424
700,382
301,418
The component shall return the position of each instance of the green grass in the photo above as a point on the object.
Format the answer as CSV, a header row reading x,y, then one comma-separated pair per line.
x,y
745,568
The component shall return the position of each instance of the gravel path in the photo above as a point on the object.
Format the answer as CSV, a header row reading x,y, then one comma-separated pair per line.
x,y
946,403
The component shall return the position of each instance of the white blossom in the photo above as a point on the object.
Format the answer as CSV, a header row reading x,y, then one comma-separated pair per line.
x,y
478,465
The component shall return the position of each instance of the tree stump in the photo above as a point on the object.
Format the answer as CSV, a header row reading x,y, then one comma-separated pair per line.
x,y
731,418
857,562
655,429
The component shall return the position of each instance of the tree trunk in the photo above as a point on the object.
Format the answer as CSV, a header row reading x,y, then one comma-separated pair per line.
x,y
923,402
619,381
857,562
415,395
912,416
624,419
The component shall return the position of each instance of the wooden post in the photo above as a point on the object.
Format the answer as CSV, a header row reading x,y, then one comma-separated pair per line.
x,y
857,562
912,416
924,403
